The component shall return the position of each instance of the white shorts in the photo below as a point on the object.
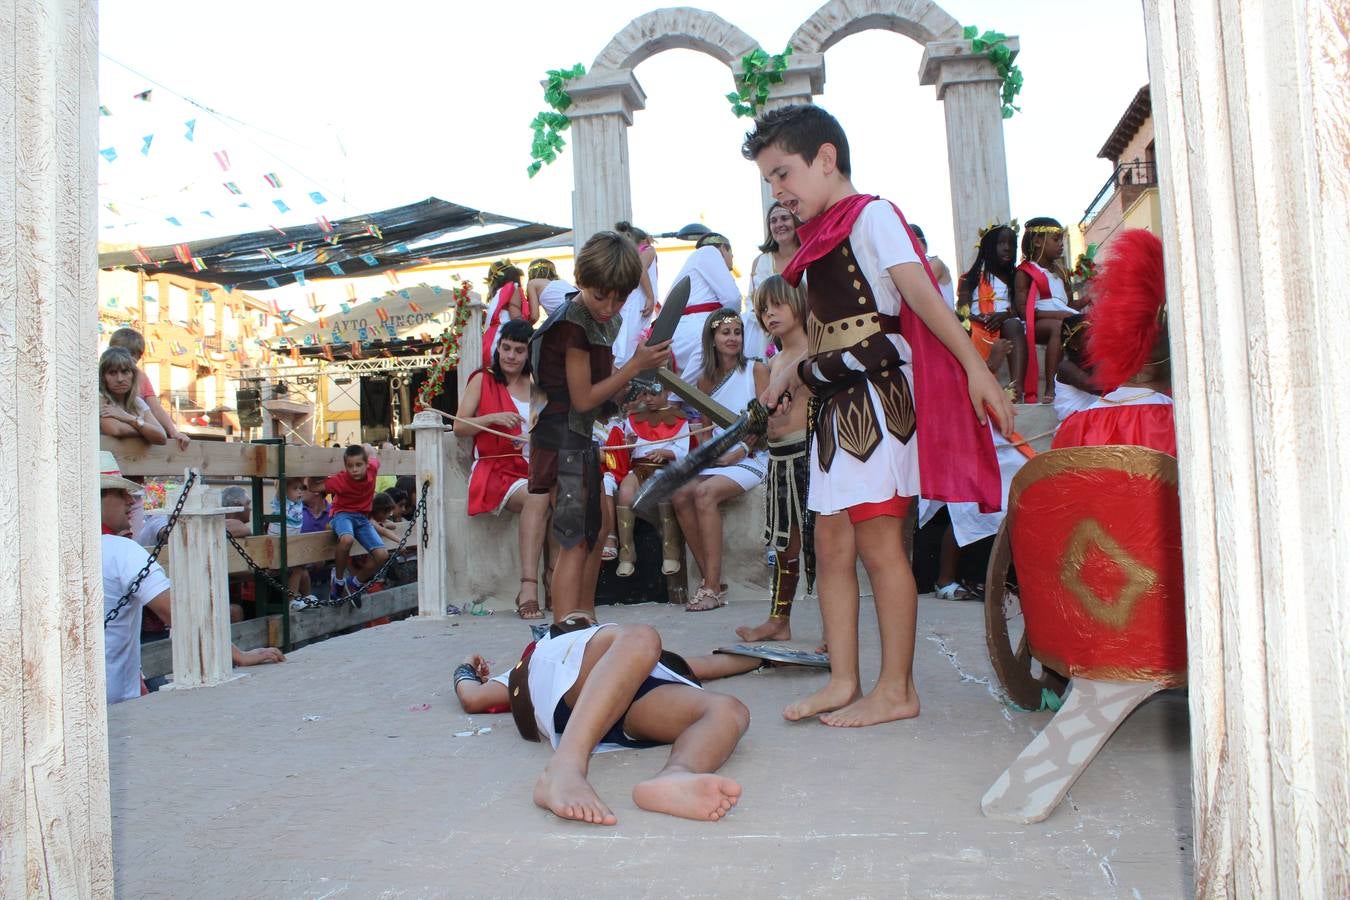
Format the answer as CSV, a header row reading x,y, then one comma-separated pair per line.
x,y
510,492
747,473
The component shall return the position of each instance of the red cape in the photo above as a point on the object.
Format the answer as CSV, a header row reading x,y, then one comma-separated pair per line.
x,y
957,463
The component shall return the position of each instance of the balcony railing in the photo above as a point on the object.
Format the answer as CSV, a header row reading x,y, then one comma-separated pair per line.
x,y
1131,174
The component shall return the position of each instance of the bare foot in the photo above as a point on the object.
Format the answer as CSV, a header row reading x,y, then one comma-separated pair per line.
x,y
823,648
829,698
775,629
706,797
568,795
881,705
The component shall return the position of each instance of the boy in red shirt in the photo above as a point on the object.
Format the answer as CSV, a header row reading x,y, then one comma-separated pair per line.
x,y
353,491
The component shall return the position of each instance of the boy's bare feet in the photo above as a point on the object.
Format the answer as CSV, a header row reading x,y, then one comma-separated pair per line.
x,y
775,629
829,698
704,797
881,705
568,795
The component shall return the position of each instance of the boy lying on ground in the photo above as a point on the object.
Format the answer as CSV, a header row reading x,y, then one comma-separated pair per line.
x,y
592,688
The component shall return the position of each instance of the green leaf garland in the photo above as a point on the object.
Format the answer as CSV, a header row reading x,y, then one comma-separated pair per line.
x,y
435,382
993,45
759,71
548,126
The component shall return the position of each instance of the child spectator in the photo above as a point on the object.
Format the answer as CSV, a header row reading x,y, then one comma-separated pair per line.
x,y
573,363
788,524
294,486
130,339
661,433
878,427
353,491
1040,296
983,305
382,509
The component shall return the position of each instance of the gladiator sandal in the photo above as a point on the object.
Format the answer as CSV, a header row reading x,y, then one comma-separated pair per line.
x,y
627,552
671,545
784,587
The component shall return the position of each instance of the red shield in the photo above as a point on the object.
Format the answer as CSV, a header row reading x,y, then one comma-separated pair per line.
x,y
1096,538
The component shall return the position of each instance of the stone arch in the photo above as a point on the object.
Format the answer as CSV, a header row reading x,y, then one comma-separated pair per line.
x,y
920,20
680,28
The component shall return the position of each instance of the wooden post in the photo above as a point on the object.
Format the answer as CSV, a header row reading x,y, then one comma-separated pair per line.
x,y
1250,102
434,444
200,631
55,826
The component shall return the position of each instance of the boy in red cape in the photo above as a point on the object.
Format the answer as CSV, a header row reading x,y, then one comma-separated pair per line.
x,y
882,349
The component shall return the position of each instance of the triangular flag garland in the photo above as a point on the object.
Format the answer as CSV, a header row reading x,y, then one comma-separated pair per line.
x,y
108,153
145,148
281,206
317,197
223,159
191,128
272,180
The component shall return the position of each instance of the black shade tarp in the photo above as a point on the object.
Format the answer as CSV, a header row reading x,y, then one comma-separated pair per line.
x,y
361,245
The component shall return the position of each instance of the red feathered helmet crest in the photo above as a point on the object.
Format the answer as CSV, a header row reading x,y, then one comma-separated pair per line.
x,y
1127,315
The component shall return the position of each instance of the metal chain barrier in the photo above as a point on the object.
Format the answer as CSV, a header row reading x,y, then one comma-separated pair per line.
x,y
355,596
154,554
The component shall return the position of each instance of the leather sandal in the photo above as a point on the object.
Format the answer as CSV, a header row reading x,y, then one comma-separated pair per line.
x,y
705,600
528,609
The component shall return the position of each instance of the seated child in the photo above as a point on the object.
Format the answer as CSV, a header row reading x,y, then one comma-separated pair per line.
x,y
353,491
592,688
382,509
1127,349
661,433
1074,386
293,506
614,467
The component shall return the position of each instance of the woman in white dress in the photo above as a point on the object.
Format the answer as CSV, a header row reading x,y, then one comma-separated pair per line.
x,y
711,287
544,290
780,245
637,309
940,270
733,381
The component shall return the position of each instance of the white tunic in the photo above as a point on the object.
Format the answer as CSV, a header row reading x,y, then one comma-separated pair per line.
x,y
735,394
554,668
634,322
1069,400
553,295
879,242
1058,301
710,281
968,523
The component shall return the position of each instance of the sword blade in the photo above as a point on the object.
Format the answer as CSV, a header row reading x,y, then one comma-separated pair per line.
x,y
663,329
658,488
716,412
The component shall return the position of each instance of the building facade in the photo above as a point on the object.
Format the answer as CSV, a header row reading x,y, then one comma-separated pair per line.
x,y
1129,199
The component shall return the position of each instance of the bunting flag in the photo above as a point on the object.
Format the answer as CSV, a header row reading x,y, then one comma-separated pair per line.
x,y
206,296
198,264
312,299
112,303
405,294
281,205
112,208
278,230
393,333
232,187
382,313
323,322
374,231
414,307
356,349
108,153
145,148
183,253
299,278
141,256
172,220
277,331
229,288
317,197
285,317
268,254
336,269
104,111
391,275
295,352
271,282
208,214
401,249
150,347
362,334
272,179
274,307
351,292
324,225
191,128
223,160
143,95
346,308
328,352
369,259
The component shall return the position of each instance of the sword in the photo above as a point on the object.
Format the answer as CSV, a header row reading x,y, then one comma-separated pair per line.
x,y
663,329
754,421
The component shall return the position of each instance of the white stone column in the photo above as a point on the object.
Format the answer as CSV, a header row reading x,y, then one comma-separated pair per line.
x,y
602,108
1251,103
200,628
471,343
970,91
803,79
434,444
55,827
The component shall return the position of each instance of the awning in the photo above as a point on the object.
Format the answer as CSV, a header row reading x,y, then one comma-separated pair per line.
x,y
417,234
421,310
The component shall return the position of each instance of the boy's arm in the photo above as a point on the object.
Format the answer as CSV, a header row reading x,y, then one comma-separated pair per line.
x,y
166,422
914,285
586,395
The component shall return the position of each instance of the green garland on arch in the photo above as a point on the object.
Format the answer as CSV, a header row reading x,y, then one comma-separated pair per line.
x,y
548,126
993,45
759,71
434,386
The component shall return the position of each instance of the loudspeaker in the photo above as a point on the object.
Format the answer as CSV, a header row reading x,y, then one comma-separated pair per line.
x,y
249,406
376,409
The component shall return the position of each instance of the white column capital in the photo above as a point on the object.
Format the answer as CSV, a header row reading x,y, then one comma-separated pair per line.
x,y
604,92
949,62
803,79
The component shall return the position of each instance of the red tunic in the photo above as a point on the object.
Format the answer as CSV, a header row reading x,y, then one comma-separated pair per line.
x,y
1142,425
498,463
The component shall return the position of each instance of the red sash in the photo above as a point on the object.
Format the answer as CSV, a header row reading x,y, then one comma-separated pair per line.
x,y
949,429
710,306
504,296
1040,287
499,463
